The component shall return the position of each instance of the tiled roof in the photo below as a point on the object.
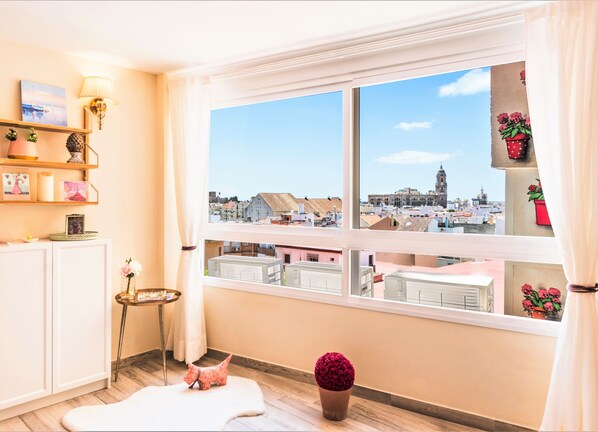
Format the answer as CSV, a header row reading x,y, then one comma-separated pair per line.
x,y
402,223
280,202
321,206
367,221
286,202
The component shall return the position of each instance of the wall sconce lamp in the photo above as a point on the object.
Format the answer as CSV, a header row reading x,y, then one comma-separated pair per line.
x,y
99,90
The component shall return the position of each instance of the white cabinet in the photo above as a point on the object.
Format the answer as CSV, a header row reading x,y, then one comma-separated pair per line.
x,y
25,323
54,321
81,324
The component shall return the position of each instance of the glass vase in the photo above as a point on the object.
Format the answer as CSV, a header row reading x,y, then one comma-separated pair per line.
x,y
127,287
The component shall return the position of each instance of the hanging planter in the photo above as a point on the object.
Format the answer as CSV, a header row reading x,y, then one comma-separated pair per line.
x,y
515,129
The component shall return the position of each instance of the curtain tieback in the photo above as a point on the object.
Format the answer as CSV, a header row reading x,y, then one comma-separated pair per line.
x,y
582,289
188,248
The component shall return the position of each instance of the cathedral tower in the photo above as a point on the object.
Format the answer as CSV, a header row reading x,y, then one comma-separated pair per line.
x,y
441,187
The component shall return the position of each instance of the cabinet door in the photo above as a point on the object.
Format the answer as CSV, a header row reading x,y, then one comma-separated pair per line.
x,y
81,324
25,323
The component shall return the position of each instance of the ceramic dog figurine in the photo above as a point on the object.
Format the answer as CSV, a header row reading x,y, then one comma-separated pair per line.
x,y
206,376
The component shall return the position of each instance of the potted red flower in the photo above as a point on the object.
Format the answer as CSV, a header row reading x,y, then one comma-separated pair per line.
x,y
335,376
515,129
537,196
542,304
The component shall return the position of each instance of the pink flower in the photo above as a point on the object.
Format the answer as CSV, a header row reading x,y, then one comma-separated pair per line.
x,y
533,188
527,305
125,270
549,307
553,292
516,117
527,289
522,75
528,123
543,293
503,118
556,300
502,127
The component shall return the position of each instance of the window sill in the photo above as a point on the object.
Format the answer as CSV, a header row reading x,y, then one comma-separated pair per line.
x,y
479,319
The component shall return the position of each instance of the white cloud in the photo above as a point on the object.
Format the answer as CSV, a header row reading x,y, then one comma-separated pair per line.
x,y
474,81
413,125
408,157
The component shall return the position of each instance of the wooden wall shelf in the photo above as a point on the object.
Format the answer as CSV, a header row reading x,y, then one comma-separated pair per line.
x,y
43,127
50,203
45,164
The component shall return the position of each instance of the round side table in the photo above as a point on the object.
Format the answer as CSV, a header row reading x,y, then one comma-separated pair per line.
x,y
126,302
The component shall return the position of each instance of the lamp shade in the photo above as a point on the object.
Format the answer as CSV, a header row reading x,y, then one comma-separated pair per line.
x,y
98,87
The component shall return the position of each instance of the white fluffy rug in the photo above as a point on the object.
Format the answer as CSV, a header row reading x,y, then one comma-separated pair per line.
x,y
172,408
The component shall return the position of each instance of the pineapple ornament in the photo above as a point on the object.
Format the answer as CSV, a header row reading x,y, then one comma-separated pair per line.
x,y
75,144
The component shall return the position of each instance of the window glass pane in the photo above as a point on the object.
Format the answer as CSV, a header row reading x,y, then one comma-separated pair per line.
x,y
480,285
432,157
291,266
278,162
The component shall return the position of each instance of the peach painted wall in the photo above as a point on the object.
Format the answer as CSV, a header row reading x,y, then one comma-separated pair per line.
x,y
493,373
130,177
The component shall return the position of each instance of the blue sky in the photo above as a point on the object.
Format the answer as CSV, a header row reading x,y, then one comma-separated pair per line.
x,y
407,129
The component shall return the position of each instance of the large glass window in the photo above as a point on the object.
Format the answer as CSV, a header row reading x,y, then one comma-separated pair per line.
x,y
278,163
274,264
433,158
434,169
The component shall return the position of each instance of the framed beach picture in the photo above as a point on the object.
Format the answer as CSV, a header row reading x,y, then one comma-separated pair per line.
x,y
74,191
15,187
42,103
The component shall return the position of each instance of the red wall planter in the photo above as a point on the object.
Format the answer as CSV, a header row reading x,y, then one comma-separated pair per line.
x,y
542,217
517,146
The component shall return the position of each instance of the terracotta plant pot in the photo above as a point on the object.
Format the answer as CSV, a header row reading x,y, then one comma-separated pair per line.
x,y
542,217
517,146
21,149
538,313
334,403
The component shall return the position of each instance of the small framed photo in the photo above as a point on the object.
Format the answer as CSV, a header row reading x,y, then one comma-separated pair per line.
x,y
15,187
74,191
75,224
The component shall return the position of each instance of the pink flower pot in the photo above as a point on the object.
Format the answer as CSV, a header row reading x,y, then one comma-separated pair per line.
x,y
21,149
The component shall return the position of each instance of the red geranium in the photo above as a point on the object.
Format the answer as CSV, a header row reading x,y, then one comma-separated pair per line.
x,y
511,125
547,300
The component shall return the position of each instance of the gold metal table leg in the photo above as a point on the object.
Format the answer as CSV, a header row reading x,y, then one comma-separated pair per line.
x,y
161,319
123,320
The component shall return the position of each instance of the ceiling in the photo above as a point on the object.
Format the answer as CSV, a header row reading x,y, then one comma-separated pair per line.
x,y
162,36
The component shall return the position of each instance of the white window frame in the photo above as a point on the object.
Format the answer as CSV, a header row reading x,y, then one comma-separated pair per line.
x,y
541,250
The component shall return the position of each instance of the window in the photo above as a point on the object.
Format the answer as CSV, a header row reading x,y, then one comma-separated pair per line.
x,y
313,257
435,222
432,159
264,266
278,163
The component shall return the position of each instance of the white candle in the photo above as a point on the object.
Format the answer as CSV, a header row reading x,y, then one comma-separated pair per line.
x,y
45,186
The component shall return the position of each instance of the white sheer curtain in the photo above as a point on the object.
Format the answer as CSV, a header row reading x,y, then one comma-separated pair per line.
x,y
562,88
189,112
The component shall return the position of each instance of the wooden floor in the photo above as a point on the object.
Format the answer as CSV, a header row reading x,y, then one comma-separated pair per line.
x,y
290,405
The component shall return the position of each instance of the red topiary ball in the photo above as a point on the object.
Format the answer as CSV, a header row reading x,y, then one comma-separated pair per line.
x,y
334,372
